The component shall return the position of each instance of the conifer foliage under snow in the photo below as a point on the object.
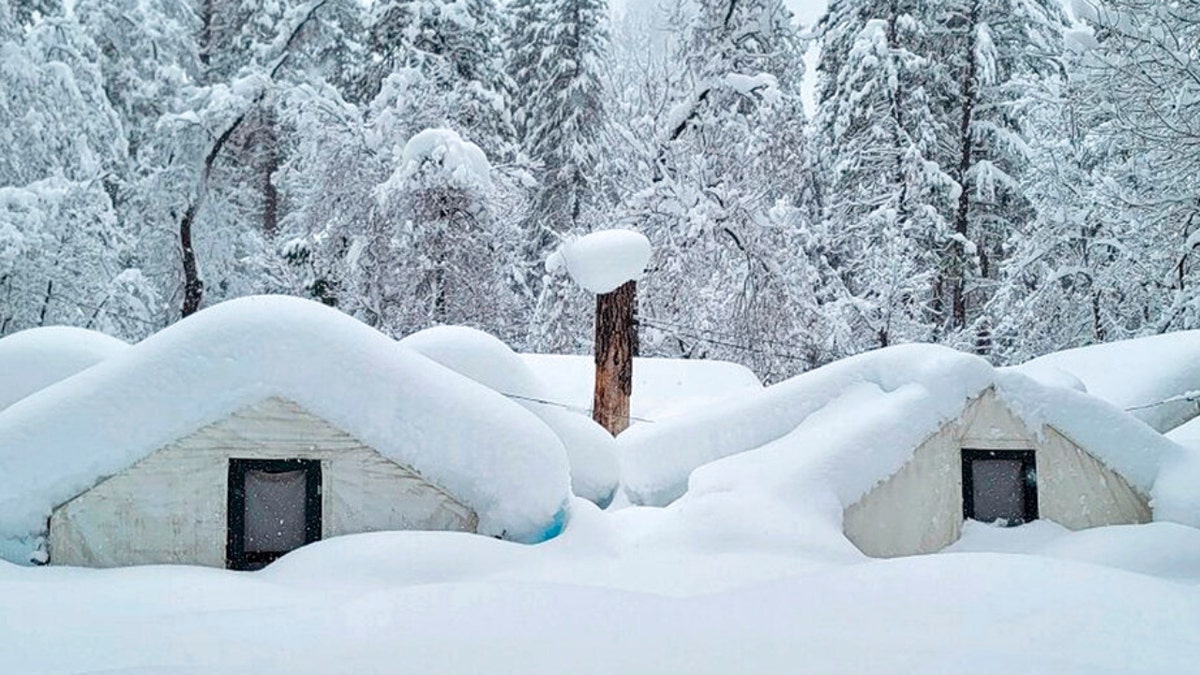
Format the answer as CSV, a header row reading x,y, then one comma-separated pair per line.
x,y
994,175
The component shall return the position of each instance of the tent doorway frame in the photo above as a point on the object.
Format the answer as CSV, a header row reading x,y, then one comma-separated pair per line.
x,y
1028,482
236,555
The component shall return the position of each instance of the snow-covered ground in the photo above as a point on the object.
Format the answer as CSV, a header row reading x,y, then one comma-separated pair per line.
x,y
614,595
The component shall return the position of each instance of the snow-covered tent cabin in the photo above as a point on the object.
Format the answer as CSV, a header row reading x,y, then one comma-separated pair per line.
x,y
990,465
1155,378
257,426
35,358
910,441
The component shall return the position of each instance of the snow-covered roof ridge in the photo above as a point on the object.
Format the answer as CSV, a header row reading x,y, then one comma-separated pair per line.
x,y
1147,376
841,429
656,459
487,360
35,358
491,453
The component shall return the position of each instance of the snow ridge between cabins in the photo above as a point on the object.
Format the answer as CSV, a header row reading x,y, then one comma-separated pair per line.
x,y
1137,374
34,359
491,453
487,360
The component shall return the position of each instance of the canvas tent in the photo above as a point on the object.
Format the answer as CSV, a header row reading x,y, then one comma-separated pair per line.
x,y
36,358
259,425
988,465
896,447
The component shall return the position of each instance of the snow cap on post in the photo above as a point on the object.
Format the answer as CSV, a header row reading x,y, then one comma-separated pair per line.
x,y
602,261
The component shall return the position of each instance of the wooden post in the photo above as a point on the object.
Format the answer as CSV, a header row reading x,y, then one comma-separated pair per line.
x,y
616,342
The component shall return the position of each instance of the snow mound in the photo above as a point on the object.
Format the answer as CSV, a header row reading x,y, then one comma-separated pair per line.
x,y
38,357
661,387
602,261
491,453
809,447
657,459
490,362
1153,377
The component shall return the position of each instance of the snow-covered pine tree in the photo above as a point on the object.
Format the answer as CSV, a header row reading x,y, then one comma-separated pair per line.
x,y
439,265
63,257
885,199
453,50
1145,69
559,52
563,50
998,50
724,182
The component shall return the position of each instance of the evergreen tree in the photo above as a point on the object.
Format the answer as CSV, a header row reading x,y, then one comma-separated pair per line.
x,y
999,52
886,199
559,52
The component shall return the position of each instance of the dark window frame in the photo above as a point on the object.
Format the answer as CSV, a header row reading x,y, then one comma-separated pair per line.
x,y
1028,459
236,555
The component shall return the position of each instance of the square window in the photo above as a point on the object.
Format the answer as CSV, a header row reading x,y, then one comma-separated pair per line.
x,y
1000,486
274,507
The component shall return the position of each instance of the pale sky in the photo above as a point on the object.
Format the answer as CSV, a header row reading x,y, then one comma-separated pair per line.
x,y
806,11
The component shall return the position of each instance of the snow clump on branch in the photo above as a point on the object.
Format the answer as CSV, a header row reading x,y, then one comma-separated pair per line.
x,y
442,151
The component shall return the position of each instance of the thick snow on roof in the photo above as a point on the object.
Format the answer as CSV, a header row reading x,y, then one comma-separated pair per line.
x,y
490,362
602,261
661,387
823,439
38,357
1136,375
488,451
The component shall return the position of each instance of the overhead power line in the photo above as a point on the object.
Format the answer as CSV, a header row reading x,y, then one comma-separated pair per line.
x,y
567,406
1186,397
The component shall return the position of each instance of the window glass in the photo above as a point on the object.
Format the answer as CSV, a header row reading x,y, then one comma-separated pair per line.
x,y
999,490
274,510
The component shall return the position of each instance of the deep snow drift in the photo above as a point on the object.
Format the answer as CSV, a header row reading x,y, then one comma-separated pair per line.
x,y
491,453
1156,379
616,594
34,359
661,387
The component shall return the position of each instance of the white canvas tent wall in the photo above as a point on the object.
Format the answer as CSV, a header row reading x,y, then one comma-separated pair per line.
x,y
171,506
112,423
919,509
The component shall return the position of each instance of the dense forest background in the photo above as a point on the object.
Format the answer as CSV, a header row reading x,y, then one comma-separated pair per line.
x,y
1001,176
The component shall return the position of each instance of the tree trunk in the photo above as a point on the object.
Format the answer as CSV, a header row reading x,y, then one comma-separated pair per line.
x,y
969,94
616,342
193,286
